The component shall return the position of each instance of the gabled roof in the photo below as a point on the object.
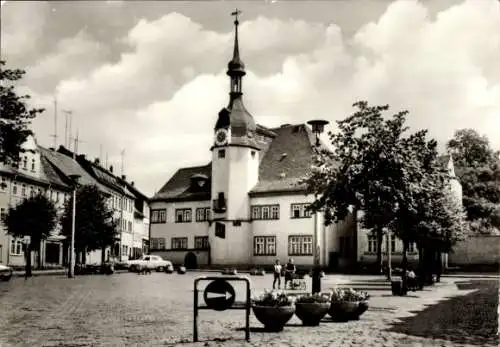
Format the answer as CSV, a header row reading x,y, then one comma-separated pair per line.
x,y
66,166
178,188
287,161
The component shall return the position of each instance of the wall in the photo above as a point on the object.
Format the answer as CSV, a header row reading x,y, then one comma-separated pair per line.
x,y
282,228
171,229
177,257
477,250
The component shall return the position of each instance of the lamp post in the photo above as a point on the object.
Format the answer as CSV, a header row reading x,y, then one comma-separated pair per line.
x,y
71,256
318,127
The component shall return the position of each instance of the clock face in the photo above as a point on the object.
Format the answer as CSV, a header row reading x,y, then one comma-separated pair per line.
x,y
221,137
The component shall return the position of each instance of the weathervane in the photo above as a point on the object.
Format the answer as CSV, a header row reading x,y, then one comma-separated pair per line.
x,y
235,14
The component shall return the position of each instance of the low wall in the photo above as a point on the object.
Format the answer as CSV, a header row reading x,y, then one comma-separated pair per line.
x,y
477,250
178,257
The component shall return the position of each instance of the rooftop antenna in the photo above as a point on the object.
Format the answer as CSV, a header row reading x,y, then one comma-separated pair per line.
x,y
76,141
55,124
100,153
122,153
68,114
106,162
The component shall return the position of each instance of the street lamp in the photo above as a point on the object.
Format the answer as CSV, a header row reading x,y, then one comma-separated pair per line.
x,y
71,256
318,127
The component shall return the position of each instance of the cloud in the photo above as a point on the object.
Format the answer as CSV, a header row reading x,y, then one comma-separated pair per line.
x,y
161,98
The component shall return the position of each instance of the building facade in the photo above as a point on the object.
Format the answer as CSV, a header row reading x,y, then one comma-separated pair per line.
x,y
247,207
34,175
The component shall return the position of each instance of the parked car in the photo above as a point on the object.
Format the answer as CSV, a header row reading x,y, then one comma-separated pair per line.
x,y
5,272
150,262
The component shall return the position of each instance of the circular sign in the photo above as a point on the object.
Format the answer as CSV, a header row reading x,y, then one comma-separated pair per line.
x,y
219,295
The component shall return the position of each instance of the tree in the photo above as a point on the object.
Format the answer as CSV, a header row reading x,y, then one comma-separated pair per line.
x,y
372,169
94,226
15,116
469,149
35,217
478,168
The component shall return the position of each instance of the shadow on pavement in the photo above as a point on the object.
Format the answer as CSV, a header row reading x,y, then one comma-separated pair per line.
x,y
469,319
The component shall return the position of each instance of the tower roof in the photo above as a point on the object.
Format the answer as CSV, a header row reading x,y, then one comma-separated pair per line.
x,y
236,67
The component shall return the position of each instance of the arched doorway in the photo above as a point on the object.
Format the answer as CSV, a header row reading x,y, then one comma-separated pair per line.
x,y
190,261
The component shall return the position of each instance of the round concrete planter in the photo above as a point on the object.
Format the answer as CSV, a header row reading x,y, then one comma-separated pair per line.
x,y
273,318
311,313
343,311
181,270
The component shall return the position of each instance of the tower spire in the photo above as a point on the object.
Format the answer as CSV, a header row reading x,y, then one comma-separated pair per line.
x,y
236,68
236,51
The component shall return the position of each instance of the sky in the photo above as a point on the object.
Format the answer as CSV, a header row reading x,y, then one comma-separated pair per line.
x,y
149,77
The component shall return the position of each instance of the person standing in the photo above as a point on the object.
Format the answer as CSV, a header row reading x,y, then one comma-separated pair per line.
x,y
277,274
289,272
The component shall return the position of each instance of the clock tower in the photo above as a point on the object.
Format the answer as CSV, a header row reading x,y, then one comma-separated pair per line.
x,y
235,171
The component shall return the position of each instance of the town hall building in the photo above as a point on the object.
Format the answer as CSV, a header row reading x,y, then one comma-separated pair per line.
x,y
247,207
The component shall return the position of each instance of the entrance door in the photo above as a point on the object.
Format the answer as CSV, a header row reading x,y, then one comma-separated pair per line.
x,y
190,261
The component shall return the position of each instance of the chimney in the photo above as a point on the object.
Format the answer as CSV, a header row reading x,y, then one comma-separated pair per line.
x,y
132,183
97,161
111,168
124,177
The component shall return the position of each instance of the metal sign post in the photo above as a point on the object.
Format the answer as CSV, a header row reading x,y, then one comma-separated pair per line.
x,y
219,295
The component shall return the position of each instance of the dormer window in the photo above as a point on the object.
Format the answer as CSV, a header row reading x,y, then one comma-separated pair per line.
x,y
199,182
33,164
25,163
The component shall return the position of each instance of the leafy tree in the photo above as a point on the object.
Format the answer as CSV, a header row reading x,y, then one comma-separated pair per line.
x,y
469,149
390,175
479,172
371,169
35,217
94,225
15,116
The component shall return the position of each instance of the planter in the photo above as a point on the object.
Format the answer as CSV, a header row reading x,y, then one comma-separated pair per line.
x,y
343,311
273,318
398,289
311,313
181,270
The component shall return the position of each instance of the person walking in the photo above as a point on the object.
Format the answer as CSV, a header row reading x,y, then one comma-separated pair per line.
x,y
277,274
289,272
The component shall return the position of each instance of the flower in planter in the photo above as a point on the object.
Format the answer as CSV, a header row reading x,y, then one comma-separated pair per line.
x,y
348,295
314,298
273,298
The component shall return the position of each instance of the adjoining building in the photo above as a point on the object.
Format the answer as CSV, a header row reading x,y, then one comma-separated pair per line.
x,y
46,171
247,206
34,175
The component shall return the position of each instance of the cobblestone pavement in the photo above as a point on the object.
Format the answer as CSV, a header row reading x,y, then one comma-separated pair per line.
x,y
156,310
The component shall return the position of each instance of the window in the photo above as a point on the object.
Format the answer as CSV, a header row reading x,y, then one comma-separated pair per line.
x,y
202,214
201,242
32,192
265,212
411,247
393,243
158,243
3,184
300,211
130,226
372,243
222,153
300,245
14,189
179,242
3,214
33,164
23,190
15,247
253,154
124,250
264,245
183,215
25,163
159,216
57,196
